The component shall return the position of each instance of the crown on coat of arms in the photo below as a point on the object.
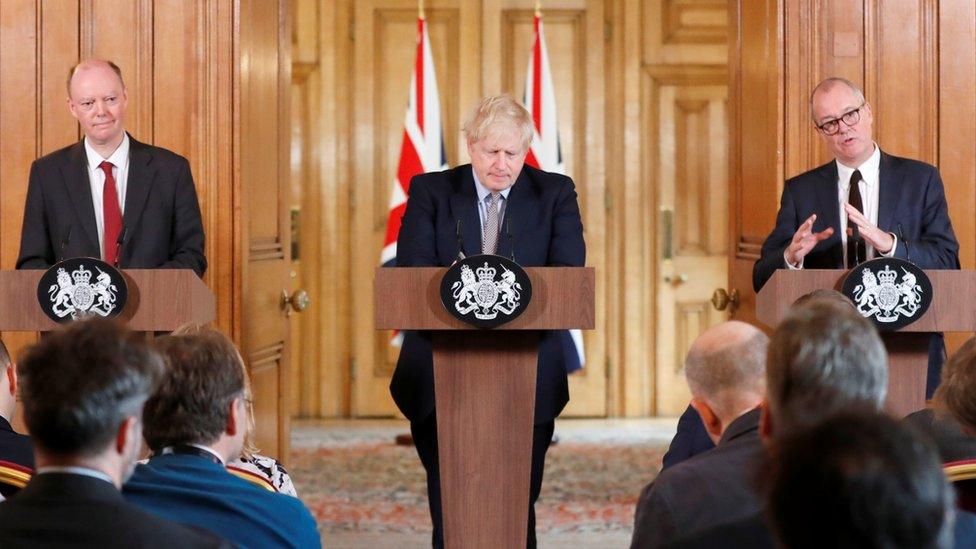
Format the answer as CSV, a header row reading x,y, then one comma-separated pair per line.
x,y
81,275
887,276
486,273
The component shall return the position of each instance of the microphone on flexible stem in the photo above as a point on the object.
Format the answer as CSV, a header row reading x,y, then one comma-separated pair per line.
x,y
118,245
64,244
460,243
511,239
901,237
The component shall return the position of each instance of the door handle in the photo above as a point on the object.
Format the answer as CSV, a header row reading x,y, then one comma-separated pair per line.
x,y
298,301
679,279
723,300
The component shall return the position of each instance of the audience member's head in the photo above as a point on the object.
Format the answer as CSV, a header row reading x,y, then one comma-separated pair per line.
x,y
824,294
83,390
822,358
859,479
8,384
725,369
957,390
202,398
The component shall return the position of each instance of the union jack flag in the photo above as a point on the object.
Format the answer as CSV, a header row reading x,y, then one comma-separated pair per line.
x,y
545,152
423,143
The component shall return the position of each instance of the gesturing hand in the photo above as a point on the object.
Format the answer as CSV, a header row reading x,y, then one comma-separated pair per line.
x,y
804,239
880,240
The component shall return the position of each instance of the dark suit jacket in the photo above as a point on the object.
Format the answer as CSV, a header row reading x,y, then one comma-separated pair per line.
x,y
543,218
61,510
15,447
953,443
690,439
194,491
161,218
752,533
703,491
911,205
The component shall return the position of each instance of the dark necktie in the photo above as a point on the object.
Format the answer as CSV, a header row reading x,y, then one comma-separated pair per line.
x,y
856,249
112,215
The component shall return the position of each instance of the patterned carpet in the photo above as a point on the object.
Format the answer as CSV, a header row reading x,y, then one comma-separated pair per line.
x,y
361,486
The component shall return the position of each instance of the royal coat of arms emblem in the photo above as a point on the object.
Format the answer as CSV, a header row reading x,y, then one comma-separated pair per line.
x,y
81,287
891,292
486,290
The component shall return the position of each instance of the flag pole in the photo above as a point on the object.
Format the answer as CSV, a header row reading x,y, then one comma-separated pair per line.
x,y
538,8
420,6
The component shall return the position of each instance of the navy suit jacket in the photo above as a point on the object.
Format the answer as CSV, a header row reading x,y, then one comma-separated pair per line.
x,y
67,510
195,491
15,447
161,217
911,205
543,218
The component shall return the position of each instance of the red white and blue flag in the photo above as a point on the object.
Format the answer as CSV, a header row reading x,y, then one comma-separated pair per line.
x,y
423,144
545,152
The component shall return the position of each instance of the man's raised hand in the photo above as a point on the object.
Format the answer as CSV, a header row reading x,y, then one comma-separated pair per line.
x,y
804,239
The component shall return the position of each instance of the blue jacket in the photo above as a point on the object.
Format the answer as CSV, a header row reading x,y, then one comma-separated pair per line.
x,y
543,218
192,490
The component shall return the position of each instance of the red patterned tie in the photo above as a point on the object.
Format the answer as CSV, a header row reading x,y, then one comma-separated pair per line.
x,y
112,214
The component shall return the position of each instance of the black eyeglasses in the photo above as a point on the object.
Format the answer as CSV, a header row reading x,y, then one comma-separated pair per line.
x,y
849,118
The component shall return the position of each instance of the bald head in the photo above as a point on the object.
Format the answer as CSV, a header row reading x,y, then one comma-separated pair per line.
x,y
94,64
726,367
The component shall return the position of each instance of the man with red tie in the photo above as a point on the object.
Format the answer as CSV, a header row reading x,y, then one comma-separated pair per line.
x,y
109,196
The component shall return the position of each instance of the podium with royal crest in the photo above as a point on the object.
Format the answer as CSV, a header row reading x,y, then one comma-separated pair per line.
x,y
146,300
484,378
907,304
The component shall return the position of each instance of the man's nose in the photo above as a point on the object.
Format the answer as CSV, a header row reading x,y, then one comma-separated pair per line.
x,y
100,108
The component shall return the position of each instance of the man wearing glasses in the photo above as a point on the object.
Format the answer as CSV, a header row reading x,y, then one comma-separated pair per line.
x,y
862,205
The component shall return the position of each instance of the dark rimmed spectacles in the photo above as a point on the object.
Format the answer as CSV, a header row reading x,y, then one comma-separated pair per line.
x,y
849,118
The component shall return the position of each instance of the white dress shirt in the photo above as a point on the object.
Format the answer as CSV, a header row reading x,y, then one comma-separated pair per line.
x,y
869,186
96,177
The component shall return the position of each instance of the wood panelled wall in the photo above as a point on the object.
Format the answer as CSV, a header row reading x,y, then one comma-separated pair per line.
x,y
916,61
203,80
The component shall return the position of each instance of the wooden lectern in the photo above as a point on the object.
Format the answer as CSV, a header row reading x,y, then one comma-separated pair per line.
x,y
160,300
952,310
484,386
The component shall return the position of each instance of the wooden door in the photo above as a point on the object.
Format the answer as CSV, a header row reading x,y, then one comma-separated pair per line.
x,y
478,49
265,85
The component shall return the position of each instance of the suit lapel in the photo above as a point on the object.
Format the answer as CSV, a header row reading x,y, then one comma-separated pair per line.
x,y
522,202
464,207
78,186
827,199
140,180
890,179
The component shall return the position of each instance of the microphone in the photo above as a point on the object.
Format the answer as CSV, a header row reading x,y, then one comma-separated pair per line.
x,y
64,243
460,243
118,245
901,237
511,239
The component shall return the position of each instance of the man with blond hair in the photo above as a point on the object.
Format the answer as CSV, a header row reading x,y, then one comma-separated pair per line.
x,y
463,210
109,196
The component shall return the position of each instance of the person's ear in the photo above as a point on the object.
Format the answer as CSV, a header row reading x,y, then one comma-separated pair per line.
x,y
127,435
713,424
12,379
235,417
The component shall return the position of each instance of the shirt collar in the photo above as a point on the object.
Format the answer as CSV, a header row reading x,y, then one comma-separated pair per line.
x,y
485,191
869,166
117,158
74,470
207,449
